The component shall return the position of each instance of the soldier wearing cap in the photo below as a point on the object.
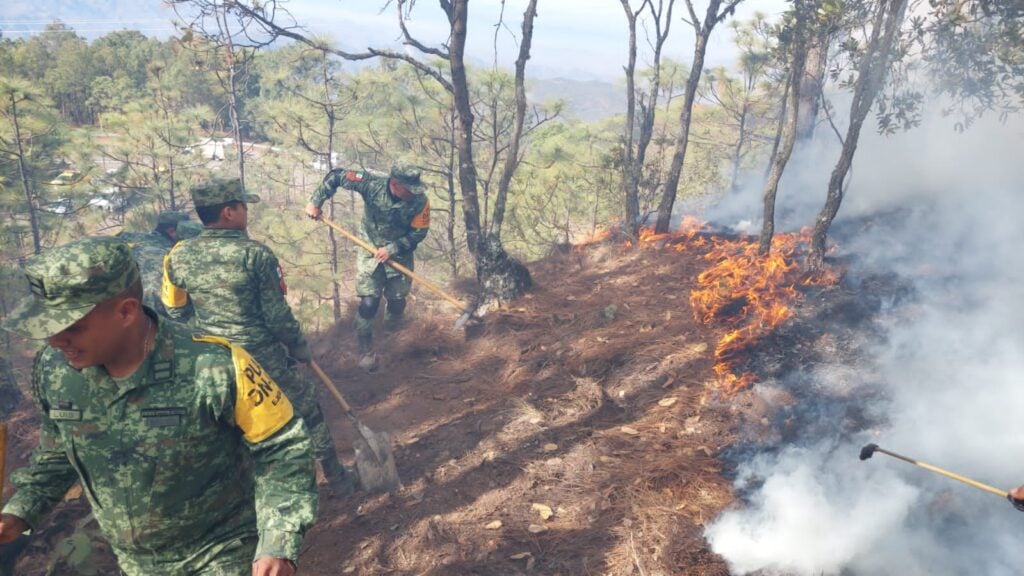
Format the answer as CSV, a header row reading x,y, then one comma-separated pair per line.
x,y
396,218
149,249
189,454
164,235
188,229
233,287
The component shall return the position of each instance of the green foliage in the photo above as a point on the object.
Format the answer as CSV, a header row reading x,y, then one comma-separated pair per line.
x,y
140,108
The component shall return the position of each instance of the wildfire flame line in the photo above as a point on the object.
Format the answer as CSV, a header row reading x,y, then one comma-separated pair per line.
x,y
741,289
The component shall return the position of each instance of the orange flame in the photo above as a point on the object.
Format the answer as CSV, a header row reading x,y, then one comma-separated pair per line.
x,y
742,289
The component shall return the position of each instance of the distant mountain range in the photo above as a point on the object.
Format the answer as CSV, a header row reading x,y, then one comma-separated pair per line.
x,y
89,18
587,100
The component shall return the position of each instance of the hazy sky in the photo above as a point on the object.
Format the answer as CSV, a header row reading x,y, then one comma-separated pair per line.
x,y
576,38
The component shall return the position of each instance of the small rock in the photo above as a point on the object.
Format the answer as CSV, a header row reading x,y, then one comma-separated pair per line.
x,y
520,556
544,511
666,402
550,447
536,529
630,431
493,525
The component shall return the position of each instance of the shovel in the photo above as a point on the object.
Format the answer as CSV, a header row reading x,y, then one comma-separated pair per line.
x,y
374,459
467,311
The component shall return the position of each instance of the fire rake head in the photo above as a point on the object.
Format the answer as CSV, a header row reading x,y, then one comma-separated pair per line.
x,y
868,451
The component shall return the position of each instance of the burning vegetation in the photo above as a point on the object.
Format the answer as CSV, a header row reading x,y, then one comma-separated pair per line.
x,y
748,293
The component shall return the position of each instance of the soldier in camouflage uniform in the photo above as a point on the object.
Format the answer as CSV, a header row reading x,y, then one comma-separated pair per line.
x,y
234,288
149,250
188,229
165,234
396,218
188,452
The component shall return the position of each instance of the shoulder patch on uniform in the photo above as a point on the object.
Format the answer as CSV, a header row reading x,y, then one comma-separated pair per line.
x,y
171,294
280,279
261,408
355,175
422,220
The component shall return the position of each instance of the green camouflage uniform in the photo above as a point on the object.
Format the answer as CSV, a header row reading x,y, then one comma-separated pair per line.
x,y
233,287
191,466
149,249
388,222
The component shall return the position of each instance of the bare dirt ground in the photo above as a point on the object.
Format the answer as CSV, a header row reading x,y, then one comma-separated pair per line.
x,y
582,432
590,401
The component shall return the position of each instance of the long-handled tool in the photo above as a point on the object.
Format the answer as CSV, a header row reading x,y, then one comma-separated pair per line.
x,y
467,311
374,459
869,450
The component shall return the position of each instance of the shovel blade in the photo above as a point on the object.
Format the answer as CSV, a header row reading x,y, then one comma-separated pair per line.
x,y
375,461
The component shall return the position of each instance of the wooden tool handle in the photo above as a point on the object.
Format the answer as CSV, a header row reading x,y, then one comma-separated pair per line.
x,y
946,473
330,386
426,283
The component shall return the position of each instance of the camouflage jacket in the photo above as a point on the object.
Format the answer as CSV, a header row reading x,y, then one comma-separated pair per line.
x,y
150,258
387,221
151,238
235,288
185,453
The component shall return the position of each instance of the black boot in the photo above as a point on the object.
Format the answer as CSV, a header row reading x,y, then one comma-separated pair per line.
x,y
341,480
367,359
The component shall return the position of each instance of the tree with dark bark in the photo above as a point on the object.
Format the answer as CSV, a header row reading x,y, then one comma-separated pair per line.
x,y
871,73
796,39
717,11
637,133
28,138
227,40
275,22
746,100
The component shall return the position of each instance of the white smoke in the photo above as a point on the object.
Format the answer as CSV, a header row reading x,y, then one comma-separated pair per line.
x,y
951,366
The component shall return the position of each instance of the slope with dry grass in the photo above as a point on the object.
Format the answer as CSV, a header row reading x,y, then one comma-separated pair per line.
x,y
577,435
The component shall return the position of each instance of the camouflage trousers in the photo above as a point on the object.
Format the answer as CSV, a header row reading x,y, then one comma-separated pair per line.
x,y
375,279
231,558
302,394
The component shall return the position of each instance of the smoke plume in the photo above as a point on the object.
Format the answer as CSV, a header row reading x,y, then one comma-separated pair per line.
x,y
944,211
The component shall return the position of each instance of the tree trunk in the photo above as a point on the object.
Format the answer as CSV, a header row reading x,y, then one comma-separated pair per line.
x,y
737,154
634,157
26,187
458,17
630,175
779,126
500,276
870,77
512,155
811,82
668,198
232,94
788,137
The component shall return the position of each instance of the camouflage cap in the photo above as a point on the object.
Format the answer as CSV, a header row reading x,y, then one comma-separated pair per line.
x,y
409,176
69,281
170,218
189,229
220,191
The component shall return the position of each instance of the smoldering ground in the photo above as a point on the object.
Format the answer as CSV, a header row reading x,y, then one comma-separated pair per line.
x,y
943,210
